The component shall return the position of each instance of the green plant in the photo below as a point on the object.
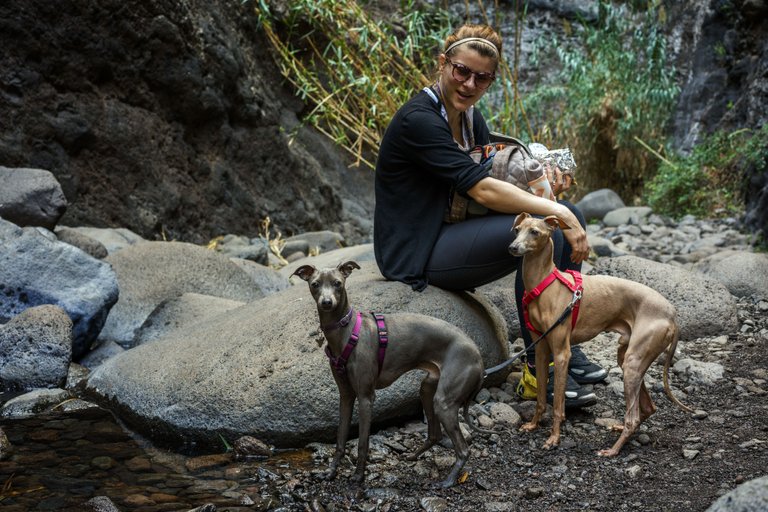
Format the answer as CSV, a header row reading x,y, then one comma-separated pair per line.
x,y
709,181
615,86
353,72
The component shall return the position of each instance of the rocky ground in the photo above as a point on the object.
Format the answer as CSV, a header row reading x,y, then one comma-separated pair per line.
x,y
678,462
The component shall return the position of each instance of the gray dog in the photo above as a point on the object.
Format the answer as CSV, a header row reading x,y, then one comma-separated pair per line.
x,y
368,353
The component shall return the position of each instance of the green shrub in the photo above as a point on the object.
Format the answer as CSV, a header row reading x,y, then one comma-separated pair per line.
x,y
709,181
615,87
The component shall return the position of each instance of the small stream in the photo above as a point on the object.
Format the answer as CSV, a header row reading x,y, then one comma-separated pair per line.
x,y
61,460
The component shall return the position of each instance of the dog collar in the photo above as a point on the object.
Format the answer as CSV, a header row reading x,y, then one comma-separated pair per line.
x,y
341,323
339,364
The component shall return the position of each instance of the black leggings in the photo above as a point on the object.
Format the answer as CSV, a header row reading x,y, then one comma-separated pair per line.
x,y
474,252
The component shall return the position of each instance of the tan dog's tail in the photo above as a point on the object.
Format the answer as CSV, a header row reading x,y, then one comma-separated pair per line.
x,y
670,354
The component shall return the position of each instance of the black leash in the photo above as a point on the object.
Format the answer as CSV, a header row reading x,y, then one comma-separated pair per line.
x,y
565,314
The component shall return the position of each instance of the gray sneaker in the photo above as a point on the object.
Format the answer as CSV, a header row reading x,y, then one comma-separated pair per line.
x,y
583,370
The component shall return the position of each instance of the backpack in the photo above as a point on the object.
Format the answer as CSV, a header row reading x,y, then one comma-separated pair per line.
x,y
507,159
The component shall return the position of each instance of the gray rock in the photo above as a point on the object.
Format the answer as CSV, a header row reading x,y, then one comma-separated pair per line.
x,y
113,239
704,306
180,312
82,241
604,247
627,215
233,246
100,504
597,204
32,403
751,496
35,349
31,197
266,279
101,353
359,253
35,270
151,272
258,370
699,372
323,241
744,273
6,448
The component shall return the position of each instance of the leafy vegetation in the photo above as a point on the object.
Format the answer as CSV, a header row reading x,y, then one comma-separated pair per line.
x,y
610,102
709,180
615,88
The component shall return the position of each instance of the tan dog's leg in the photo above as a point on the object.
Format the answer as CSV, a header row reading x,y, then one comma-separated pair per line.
x,y
635,357
542,375
562,355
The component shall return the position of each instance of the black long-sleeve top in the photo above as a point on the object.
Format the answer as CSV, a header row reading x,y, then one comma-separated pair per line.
x,y
418,168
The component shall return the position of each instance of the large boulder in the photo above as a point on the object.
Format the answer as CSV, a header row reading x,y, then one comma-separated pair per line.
x,y
744,273
595,205
113,239
751,496
35,349
704,305
37,269
152,272
31,197
259,370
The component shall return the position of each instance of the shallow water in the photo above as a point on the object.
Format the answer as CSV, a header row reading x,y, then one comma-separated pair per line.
x,y
61,460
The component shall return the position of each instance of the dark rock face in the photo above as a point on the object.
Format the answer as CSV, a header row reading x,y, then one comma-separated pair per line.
x,y
161,117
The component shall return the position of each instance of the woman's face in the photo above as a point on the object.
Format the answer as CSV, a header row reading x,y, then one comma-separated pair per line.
x,y
459,96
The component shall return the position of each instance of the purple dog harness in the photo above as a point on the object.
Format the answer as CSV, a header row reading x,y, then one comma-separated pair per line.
x,y
339,364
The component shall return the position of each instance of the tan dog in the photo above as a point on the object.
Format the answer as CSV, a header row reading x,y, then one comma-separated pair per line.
x,y
645,320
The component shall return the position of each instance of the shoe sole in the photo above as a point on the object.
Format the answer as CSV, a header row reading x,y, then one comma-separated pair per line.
x,y
586,379
577,403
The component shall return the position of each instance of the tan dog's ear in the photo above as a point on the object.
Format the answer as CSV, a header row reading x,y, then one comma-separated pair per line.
x,y
346,268
554,223
305,272
520,218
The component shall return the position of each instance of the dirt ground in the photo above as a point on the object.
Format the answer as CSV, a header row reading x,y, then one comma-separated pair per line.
x,y
677,462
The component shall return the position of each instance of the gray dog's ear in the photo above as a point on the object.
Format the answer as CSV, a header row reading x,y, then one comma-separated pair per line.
x,y
346,268
304,272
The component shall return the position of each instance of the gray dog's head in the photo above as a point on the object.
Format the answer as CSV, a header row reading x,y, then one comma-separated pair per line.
x,y
327,285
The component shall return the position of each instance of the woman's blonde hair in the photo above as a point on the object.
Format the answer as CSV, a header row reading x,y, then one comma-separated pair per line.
x,y
471,33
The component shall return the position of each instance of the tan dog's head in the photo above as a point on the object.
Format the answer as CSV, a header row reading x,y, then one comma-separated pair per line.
x,y
532,233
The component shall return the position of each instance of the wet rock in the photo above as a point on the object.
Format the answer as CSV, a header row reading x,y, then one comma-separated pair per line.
x,y
248,446
433,504
33,403
5,445
100,504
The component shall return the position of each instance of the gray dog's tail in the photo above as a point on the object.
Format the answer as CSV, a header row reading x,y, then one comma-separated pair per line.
x,y
469,421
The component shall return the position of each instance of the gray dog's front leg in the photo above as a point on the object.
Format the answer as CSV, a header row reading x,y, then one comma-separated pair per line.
x,y
346,403
365,407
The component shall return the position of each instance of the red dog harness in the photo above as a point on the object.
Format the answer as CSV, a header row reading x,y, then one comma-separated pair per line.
x,y
577,288
339,364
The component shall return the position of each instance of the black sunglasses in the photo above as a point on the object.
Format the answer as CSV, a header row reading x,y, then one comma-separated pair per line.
x,y
462,73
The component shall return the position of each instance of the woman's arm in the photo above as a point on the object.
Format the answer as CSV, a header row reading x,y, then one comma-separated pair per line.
x,y
504,197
